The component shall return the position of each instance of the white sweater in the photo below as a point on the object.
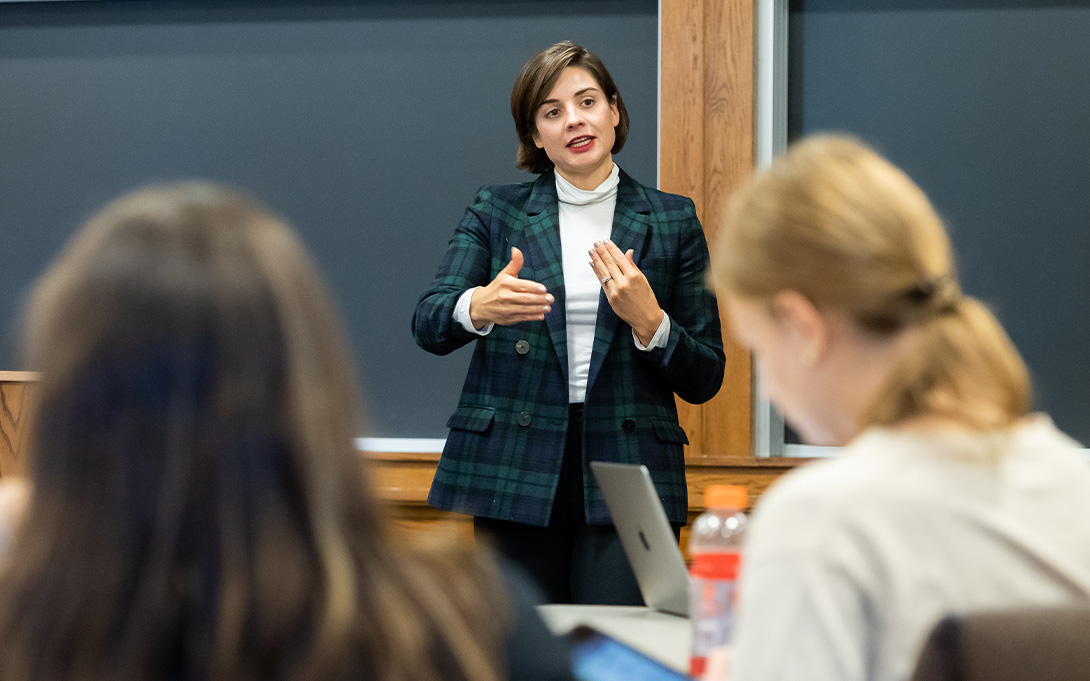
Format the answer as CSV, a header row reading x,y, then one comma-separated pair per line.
x,y
850,562
585,217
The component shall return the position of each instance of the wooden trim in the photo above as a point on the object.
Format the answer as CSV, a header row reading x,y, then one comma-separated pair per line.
x,y
403,456
18,376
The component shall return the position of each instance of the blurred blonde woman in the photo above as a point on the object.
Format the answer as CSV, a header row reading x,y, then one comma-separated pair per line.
x,y
948,495
198,508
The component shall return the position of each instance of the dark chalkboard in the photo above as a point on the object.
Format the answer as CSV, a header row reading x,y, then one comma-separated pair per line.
x,y
986,105
368,125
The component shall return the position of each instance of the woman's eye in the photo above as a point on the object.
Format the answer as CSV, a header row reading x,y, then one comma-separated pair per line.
x,y
589,101
552,113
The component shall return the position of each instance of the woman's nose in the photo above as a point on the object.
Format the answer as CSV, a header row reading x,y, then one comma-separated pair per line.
x,y
574,117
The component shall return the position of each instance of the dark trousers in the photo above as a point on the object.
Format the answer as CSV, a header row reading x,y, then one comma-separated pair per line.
x,y
571,561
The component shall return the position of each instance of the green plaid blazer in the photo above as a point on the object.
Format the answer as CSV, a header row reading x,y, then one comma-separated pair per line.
x,y
502,456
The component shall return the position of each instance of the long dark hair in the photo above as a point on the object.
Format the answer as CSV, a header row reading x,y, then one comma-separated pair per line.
x,y
199,510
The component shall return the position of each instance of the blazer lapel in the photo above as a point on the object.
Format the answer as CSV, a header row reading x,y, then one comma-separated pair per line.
x,y
541,250
631,223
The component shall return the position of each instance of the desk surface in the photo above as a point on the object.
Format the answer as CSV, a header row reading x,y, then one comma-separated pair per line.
x,y
666,638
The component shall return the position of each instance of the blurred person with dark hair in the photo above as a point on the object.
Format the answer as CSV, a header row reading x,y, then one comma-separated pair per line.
x,y
198,509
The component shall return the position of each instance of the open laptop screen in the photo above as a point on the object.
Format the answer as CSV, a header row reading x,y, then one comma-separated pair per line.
x,y
646,535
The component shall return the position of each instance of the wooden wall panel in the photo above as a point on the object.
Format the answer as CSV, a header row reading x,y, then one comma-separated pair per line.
x,y
681,127
16,391
681,100
706,151
729,47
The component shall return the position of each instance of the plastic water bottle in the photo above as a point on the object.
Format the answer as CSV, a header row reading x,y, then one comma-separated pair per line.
x,y
715,543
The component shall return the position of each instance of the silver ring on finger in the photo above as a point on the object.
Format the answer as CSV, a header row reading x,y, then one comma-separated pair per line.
x,y
606,279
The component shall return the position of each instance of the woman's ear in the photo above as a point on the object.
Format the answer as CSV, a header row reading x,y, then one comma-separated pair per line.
x,y
805,326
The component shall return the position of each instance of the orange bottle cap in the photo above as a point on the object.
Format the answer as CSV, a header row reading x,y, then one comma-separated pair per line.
x,y
726,496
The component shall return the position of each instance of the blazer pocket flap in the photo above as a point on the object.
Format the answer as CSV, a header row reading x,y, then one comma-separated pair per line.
x,y
476,419
670,432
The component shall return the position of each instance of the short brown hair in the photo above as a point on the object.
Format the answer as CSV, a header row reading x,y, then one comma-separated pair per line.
x,y
536,80
836,222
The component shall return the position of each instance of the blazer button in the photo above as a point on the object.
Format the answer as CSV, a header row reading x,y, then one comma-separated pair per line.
x,y
628,426
524,418
522,347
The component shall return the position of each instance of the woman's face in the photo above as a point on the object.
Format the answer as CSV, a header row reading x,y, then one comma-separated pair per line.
x,y
575,125
787,366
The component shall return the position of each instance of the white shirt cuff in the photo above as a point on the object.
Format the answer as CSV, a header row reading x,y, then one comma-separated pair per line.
x,y
461,315
658,340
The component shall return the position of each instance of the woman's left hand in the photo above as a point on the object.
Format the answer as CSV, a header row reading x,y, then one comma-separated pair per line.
x,y
627,290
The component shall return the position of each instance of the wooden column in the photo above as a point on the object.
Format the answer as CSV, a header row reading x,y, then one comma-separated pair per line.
x,y
706,150
16,388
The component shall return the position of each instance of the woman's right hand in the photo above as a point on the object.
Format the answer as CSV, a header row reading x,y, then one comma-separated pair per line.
x,y
508,299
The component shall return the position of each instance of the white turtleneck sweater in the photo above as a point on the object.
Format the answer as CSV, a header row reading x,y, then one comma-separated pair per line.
x,y
585,216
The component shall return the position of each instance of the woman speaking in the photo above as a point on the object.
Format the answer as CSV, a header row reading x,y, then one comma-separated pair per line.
x,y
585,294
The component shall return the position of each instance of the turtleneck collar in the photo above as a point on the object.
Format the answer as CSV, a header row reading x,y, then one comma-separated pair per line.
x,y
570,194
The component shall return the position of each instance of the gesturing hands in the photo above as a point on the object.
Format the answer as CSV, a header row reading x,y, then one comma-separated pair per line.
x,y
626,289
508,299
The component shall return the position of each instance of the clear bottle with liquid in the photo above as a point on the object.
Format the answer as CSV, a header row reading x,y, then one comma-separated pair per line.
x,y
715,544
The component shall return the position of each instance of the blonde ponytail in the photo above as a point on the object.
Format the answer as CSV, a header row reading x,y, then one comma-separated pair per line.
x,y
836,222
960,365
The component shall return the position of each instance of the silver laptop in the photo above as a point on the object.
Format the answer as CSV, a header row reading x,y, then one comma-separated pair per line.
x,y
646,535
